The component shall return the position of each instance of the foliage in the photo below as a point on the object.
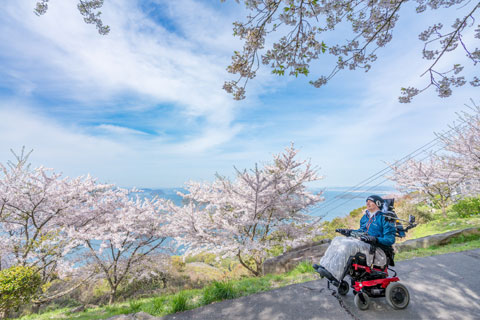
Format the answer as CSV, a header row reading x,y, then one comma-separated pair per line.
x,y
357,213
467,207
247,217
206,257
18,285
100,288
405,206
218,291
351,221
329,227
177,263
300,25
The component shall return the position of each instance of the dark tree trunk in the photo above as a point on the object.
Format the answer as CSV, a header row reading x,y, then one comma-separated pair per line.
x,y
113,294
256,273
36,307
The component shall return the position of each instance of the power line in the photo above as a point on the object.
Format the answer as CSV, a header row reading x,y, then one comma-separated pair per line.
x,y
374,177
424,148
371,188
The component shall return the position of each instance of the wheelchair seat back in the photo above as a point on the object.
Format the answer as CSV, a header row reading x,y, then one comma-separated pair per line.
x,y
389,213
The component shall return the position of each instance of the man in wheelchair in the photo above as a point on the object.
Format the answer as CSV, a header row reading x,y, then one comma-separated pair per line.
x,y
364,254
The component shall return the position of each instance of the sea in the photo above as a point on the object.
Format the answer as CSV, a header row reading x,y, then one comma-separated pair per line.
x,y
338,201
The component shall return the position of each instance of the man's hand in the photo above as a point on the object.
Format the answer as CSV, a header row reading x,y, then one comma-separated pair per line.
x,y
368,239
345,232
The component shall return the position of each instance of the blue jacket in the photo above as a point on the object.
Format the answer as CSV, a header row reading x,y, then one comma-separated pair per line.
x,y
378,227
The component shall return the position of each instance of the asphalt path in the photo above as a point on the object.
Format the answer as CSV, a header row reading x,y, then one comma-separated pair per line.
x,y
441,287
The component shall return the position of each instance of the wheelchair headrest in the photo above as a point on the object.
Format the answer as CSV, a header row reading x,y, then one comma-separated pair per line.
x,y
388,205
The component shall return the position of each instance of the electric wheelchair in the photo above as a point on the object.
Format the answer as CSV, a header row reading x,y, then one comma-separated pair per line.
x,y
373,281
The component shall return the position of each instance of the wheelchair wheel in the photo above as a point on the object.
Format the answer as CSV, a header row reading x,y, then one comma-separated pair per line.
x,y
362,301
343,288
397,295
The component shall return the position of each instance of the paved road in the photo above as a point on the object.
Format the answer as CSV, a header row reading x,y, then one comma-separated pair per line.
x,y
441,287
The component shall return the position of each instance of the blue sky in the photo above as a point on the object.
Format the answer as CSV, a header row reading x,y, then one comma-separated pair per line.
x,y
144,106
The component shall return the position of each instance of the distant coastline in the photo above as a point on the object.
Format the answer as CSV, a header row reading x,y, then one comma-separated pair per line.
x,y
339,201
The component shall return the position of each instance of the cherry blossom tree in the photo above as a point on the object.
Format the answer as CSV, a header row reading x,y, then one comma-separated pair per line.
x,y
36,208
434,179
246,217
127,235
77,228
301,24
463,145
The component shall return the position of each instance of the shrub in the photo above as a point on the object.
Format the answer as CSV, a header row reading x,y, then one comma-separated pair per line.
x,y
218,291
177,263
18,285
467,207
406,207
357,213
205,257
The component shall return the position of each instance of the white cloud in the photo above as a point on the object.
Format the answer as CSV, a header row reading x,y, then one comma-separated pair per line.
x,y
122,156
138,57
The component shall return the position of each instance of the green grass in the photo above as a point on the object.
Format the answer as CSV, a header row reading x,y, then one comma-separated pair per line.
x,y
457,244
219,291
302,268
135,306
179,303
441,225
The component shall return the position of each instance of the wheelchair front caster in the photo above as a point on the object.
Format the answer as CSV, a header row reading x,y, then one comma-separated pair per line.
x,y
362,301
343,288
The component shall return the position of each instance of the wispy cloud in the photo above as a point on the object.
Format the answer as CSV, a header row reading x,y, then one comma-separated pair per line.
x,y
139,61
144,105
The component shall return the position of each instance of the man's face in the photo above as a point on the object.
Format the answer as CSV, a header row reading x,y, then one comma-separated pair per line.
x,y
371,206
